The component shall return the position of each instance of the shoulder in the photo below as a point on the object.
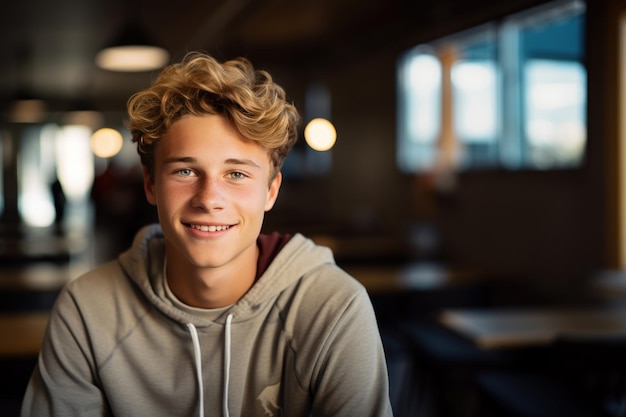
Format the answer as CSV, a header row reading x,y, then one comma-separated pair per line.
x,y
98,308
330,313
102,279
327,296
331,282
97,292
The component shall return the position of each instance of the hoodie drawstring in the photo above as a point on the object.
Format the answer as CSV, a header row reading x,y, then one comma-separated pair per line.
x,y
198,360
229,319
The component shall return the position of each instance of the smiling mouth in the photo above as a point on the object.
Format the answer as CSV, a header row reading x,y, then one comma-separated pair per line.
x,y
211,228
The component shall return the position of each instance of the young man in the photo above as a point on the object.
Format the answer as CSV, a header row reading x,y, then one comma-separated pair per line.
x,y
204,315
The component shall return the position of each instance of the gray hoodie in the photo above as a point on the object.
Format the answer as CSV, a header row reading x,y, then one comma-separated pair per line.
x,y
303,341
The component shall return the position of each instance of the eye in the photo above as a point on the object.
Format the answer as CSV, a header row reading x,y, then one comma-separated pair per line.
x,y
185,172
236,175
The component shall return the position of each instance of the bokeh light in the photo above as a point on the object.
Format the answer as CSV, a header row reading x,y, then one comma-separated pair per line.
x,y
320,134
106,142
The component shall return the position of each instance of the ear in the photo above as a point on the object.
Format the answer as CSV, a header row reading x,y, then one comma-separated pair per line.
x,y
148,187
272,194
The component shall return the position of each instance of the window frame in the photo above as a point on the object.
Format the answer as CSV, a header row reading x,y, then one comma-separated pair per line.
x,y
510,151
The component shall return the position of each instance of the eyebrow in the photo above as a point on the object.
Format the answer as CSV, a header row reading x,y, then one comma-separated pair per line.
x,y
229,161
175,159
245,161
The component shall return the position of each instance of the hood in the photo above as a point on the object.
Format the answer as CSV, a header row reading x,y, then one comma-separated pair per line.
x,y
143,263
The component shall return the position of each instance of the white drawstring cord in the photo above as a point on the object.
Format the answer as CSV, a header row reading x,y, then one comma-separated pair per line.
x,y
229,319
198,358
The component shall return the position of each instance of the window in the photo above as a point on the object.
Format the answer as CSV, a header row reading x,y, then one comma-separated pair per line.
x,y
474,72
419,123
506,94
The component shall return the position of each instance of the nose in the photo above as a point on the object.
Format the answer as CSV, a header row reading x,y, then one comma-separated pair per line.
x,y
208,195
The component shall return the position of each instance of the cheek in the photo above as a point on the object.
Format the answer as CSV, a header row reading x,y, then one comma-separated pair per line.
x,y
251,200
168,196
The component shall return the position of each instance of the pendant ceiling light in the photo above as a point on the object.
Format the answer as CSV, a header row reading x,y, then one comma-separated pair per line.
x,y
133,51
25,106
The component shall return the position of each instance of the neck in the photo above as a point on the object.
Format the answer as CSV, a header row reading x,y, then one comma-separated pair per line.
x,y
211,287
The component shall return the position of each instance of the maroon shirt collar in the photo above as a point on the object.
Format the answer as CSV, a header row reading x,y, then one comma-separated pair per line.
x,y
269,246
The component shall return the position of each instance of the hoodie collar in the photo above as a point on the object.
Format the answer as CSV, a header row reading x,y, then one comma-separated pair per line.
x,y
292,259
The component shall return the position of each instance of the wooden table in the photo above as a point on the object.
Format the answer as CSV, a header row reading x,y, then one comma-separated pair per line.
x,y
504,328
386,279
21,334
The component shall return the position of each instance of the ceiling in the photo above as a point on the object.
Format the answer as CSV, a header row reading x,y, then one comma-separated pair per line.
x,y
47,47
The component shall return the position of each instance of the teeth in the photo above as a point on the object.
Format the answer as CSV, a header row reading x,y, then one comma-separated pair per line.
x,y
209,228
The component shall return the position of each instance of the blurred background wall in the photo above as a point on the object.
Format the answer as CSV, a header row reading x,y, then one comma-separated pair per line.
x,y
553,227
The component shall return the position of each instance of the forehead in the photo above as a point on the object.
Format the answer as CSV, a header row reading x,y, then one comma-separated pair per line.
x,y
208,136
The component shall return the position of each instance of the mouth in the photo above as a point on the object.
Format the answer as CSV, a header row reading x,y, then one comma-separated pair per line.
x,y
209,228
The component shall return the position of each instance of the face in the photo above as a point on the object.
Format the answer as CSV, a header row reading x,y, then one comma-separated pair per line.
x,y
211,188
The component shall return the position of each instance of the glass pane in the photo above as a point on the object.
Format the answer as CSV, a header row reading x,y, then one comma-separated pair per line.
x,y
518,93
475,99
555,113
554,84
419,110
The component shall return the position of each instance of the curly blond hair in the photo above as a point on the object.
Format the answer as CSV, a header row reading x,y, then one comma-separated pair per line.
x,y
199,84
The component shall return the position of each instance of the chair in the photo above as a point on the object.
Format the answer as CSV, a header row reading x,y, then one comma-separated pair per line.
x,y
581,377
444,366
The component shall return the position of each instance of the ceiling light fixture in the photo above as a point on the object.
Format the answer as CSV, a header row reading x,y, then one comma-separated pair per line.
x,y
320,134
27,110
106,142
133,51
25,106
